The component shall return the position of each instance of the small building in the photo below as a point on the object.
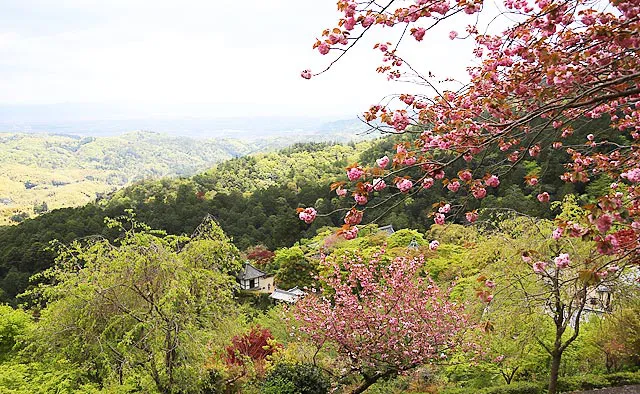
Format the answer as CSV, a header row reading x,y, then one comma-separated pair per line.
x,y
252,279
387,229
290,296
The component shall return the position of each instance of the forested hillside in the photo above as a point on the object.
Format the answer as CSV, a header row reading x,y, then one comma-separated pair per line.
x,y
41,172
254,199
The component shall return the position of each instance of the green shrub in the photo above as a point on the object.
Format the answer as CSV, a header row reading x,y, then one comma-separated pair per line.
x,y
582,382
514,388
623,378
299,378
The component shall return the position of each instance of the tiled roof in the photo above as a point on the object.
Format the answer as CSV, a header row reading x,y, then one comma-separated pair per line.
x,y
251,272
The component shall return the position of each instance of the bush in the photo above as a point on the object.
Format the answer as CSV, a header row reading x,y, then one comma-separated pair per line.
x,y
299,378
623,378
515,388
582,382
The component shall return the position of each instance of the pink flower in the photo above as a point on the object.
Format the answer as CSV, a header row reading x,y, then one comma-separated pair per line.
x,y
404,185
590,137
490,284
368,187
427,183
465,175
323,48
383,162
613,268
351,233
557,233
307,215
446,208
539,267
453,34
632,175
368,21
453,186
306,74
433,245
379,184
562,261
353,217
526,258
471,216
492,181
604,223
543,197
418,33
350,23
409,161
557,145
354,173
439,174
479,192
341,192
439,218
532,181
360,199
499,359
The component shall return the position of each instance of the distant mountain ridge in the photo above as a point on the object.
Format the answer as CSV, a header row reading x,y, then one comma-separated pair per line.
x,y
44,171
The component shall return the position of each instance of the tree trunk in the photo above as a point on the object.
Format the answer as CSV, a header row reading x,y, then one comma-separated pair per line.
x,y
555,369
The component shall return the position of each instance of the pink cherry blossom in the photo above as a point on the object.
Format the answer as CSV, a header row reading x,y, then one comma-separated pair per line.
x,y
379,184
562,260
490,284
632,175
341,192
427,183
409,161
532,181
479,192
323,48
604,222
446,208
368,21
383,162
471,216
354,173
308,215
465,175
418,33
433,245
543,197
453,186
492,181
351,233
453,34
404,185
539,266
557,233
360,199
306,74
439,219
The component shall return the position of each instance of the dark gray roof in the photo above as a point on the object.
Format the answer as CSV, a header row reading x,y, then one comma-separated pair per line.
x,y
251,272
387,229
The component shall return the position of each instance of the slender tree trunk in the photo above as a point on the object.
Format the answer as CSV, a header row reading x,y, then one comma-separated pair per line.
x,y
555,370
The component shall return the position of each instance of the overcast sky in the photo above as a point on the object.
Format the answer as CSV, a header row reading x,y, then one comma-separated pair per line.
x,y
195,57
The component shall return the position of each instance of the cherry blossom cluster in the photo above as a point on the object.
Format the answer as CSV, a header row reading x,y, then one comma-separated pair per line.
x,y
381,315
561,62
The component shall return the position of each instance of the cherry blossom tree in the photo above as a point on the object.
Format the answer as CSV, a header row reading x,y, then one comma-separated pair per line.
x,y
562,78
548,281
382,318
